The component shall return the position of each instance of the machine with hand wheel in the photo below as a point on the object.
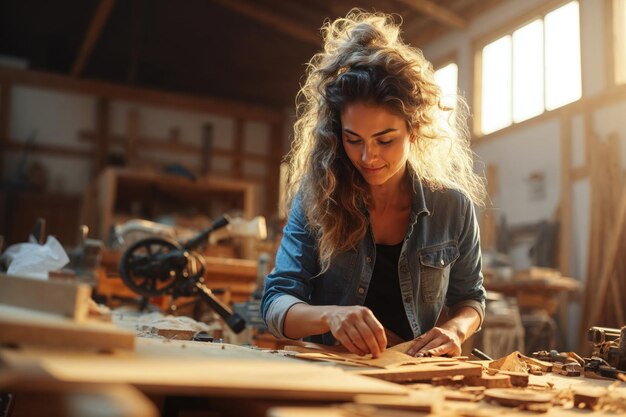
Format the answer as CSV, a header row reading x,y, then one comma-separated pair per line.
x,y
158,266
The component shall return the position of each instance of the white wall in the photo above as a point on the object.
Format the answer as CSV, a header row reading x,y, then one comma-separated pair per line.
x,y
55,118
51,118
537,146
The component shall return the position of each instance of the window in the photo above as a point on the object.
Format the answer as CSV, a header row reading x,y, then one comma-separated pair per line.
x,y
619,28
533,69
446,78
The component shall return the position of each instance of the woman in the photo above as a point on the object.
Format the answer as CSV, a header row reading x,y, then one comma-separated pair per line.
x,y
381,232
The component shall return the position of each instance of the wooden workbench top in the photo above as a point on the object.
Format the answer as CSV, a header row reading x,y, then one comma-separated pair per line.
x,y
222,371
192,368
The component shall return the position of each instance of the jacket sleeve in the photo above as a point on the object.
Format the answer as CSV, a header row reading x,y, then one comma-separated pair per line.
x,y
466,279
296,263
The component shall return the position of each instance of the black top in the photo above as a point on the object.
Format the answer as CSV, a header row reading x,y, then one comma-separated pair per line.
x,y
383,296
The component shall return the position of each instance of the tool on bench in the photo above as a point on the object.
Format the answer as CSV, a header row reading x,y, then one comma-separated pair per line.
x,y
158,266
563,363
608,356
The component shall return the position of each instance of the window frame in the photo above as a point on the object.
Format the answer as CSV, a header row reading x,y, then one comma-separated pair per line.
x,y
610,38
507,29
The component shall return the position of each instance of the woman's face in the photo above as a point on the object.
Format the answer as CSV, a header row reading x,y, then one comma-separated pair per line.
x,y
376,141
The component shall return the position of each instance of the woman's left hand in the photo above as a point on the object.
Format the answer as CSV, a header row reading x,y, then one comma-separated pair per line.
x,y
438,341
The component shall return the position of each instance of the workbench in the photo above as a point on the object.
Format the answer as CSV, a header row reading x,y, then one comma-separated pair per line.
x,y
168,377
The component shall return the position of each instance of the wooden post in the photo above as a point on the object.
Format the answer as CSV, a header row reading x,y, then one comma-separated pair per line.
x,y
237,168
615,172
566,195
275,154
132,138
5,116
207,149
93,33
488,228
101,150
609,262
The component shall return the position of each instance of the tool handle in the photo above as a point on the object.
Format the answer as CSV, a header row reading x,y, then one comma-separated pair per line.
x,y
233,320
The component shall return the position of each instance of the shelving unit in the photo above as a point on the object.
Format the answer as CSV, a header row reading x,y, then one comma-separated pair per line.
x,y
122,193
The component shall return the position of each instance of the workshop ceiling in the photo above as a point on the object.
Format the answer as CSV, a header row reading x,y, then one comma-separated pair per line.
x,y
246,50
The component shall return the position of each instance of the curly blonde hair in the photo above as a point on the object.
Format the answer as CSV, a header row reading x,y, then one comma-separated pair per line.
x,y
365,60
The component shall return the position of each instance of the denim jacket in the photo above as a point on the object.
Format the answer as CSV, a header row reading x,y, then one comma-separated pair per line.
x,y
440,263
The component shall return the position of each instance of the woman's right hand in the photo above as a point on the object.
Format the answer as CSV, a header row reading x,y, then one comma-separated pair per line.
x,y
357,329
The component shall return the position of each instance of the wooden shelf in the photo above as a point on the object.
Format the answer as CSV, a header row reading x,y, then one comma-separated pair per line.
x,y
123,193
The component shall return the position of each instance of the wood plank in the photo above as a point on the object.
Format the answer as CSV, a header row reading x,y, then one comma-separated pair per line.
x,y
272,20
245,268
65,298
102,89
389,359
427,401
608,266
93,33
437,12
44,149
25,327
119,400
190,375
174,147
424,372
74,400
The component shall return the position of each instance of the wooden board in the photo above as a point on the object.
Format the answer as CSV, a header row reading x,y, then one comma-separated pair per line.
x,y
388,359
23,327
424,371
86,400
169,375
60,297
425,401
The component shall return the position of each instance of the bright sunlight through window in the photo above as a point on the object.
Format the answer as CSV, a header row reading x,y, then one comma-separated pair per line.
x,y
446,78
528,71
534,69
496,82
562,56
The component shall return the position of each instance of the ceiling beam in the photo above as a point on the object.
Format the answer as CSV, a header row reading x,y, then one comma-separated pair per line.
x,y
272,20
222,107
437,12
421,35
92,35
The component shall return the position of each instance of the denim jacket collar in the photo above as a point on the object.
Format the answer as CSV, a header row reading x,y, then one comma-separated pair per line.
x,y
418,201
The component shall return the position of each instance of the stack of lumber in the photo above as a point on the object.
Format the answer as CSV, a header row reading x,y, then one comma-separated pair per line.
x,y
605,287
54,314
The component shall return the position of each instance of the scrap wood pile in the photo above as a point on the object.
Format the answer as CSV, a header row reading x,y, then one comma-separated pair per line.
x,y
449,386
605,287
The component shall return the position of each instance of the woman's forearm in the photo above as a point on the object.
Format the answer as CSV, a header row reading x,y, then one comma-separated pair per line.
x,y
355,327
464,323
305,320
447,338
